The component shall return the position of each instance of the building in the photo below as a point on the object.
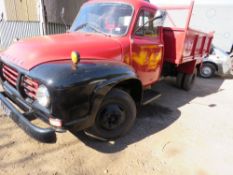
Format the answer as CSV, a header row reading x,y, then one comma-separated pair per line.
x,y
209,15
218,18
27,18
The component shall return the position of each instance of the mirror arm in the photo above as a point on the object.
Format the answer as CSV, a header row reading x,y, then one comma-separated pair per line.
x,y
62,18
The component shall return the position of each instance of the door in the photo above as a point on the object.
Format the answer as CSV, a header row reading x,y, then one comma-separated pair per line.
x,y
147,47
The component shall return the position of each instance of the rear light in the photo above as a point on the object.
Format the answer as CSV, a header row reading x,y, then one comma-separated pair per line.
x,y
30,87
55,122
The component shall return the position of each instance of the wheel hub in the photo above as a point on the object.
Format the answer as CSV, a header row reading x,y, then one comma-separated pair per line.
x,y
111,117
206,70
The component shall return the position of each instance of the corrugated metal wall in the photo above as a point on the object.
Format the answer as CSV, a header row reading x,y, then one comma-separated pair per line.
x,y
53,28
10,30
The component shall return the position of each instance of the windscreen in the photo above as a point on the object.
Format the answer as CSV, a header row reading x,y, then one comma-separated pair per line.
x,y
108,18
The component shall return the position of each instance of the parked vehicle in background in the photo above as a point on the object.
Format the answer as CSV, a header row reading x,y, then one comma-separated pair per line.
x,y
95,77
231,51
218,62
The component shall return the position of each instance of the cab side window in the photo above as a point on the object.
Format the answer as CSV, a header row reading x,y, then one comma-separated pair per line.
x,y
145,25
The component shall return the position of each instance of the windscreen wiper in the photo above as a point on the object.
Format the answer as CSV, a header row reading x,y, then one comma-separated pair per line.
x,y
93,27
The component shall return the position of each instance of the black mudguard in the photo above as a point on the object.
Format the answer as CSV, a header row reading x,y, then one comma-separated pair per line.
x,y
78,91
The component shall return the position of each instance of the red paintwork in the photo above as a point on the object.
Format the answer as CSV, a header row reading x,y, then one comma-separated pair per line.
x,y
174,46
150,69
184,45
32,52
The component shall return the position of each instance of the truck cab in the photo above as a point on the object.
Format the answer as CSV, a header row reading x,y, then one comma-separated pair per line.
x,y
96,76
142,45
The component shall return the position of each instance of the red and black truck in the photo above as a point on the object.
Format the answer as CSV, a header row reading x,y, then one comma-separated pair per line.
x,y
96,76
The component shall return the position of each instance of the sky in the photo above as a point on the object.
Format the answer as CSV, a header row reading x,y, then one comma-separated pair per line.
x,y
188,1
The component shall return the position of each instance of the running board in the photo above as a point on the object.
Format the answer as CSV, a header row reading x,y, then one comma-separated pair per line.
x,y
150,96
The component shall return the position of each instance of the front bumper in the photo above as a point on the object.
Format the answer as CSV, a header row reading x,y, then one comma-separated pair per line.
x,y
46,135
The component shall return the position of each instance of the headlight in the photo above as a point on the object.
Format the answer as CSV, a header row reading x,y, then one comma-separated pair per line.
x,y
42,96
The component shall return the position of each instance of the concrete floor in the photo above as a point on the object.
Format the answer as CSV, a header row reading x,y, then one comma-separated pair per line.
x,y
181,133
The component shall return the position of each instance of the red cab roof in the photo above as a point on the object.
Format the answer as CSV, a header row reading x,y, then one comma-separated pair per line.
x,y
136,3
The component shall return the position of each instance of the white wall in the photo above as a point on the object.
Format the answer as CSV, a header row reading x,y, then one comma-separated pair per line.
x,y
218,18
210,15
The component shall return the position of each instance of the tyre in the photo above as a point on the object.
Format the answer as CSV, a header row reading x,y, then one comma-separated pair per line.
x,y
179,80
115,117
189,80
207,70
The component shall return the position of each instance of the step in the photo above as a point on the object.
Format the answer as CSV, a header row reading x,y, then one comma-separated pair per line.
x,y
150,96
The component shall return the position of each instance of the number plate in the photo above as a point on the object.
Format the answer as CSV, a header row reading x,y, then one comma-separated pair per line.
x,y
5,109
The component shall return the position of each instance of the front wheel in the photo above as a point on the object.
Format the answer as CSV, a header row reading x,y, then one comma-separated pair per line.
x,y
115,117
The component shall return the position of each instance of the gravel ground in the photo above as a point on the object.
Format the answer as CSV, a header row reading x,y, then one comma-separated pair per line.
x,y
181,133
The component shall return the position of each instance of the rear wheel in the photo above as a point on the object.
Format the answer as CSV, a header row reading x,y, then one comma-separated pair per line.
x,y
115,117
179,80
189,80
207,70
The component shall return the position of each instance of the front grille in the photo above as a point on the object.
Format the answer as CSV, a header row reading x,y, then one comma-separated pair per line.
x,y
30,87
10,75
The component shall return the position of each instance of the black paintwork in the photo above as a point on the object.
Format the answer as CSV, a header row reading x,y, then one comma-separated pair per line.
x,y
76,93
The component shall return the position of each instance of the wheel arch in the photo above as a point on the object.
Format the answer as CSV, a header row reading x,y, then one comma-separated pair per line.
x,y
209,62
133,87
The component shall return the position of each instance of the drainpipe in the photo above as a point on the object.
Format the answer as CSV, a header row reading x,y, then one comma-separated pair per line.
x,y
42,17
1,17
1,20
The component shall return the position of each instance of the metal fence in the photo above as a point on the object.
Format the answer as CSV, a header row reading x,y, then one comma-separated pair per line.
x,y
9,30
53,28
